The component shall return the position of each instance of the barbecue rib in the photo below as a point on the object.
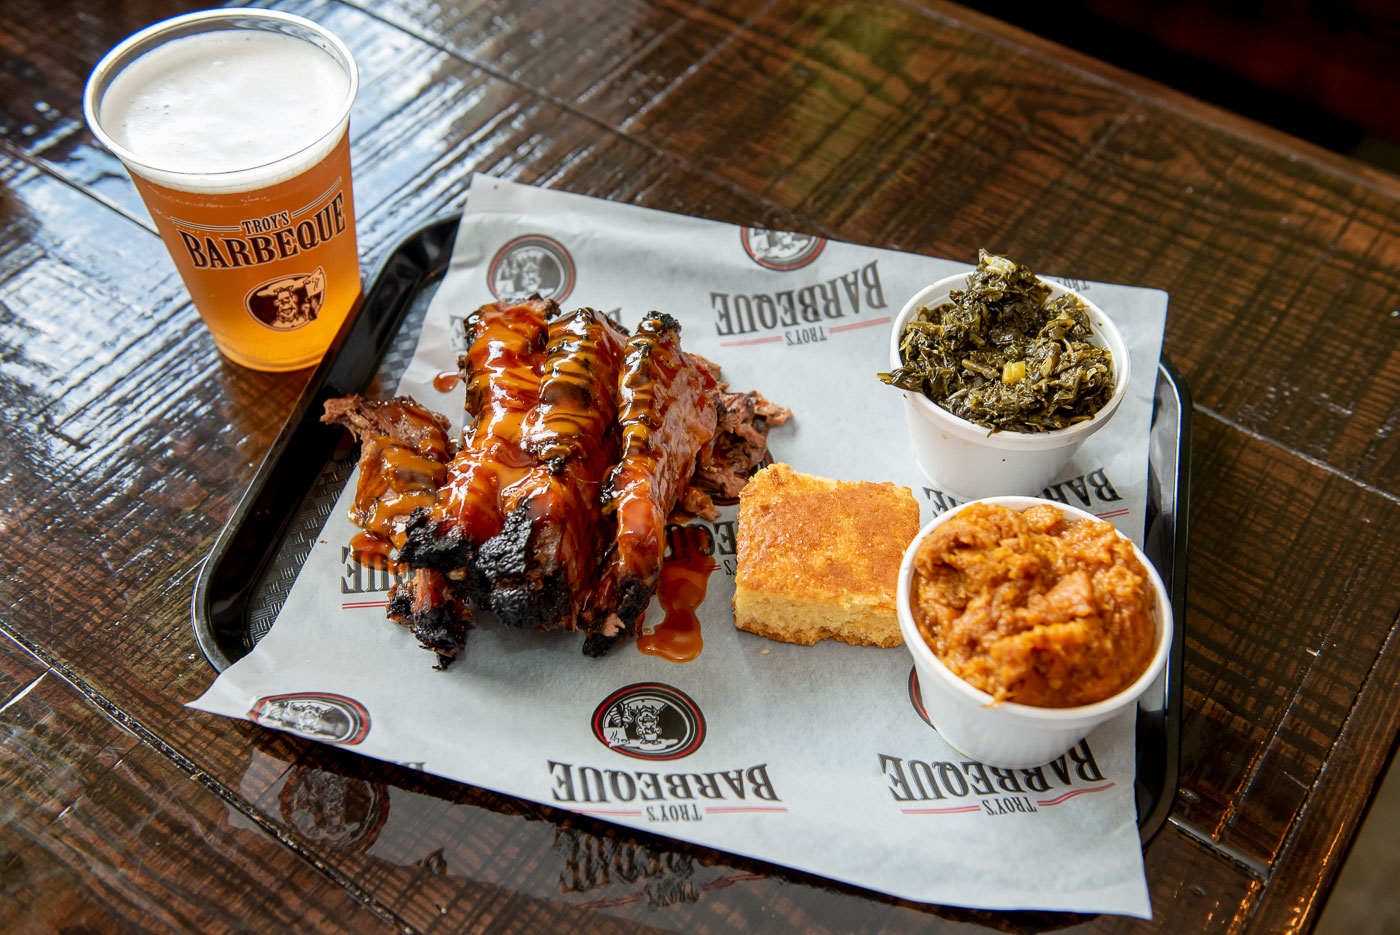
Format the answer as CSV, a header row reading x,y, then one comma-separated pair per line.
x,y
404,448
580,445
505,351
543,563
667,414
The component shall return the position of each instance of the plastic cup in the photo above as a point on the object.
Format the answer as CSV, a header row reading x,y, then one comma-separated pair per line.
x,y
233,124
970,460
1006,734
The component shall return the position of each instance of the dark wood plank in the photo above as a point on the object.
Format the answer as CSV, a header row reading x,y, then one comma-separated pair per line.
x,y
99,832
53,47
1288,614
892,124
609,64
127,302
1363,748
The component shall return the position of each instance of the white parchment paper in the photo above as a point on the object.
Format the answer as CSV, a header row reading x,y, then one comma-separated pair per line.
x,y
816,758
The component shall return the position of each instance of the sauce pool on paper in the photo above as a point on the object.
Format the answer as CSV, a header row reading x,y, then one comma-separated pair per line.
x,y
685,577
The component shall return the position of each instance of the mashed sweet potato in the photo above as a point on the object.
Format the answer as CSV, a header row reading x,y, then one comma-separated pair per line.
x,y
1032,609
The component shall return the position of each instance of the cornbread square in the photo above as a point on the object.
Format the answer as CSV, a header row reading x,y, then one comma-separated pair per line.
x,y
819,559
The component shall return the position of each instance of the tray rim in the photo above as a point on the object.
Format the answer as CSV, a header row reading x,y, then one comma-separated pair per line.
x,y
333,376
1156,817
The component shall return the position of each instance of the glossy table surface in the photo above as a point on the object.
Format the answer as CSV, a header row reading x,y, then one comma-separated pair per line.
x,y
912,125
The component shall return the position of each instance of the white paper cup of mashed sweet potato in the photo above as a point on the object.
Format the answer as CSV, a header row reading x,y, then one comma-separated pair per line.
x,y
971,460
1004,733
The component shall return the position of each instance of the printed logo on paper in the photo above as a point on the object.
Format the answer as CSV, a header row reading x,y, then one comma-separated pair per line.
x,y
780,250
287,302
324,717
529,265
650,721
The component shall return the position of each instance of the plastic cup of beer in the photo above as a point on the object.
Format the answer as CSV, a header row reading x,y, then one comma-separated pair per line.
x,y
234,126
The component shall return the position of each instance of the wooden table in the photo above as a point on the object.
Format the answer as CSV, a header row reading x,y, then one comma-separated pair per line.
x,y
916,126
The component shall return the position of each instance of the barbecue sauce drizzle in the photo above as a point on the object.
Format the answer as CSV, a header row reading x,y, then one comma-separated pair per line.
x,y
685,577
503,363
570,433
372,551
667,414
397,475
658,444
447,381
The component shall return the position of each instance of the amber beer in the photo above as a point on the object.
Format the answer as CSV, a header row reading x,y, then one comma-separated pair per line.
x,y
234,127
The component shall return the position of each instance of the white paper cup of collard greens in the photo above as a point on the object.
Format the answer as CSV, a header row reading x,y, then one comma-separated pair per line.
x,y
970,459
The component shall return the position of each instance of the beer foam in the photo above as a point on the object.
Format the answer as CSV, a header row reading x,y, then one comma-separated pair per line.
x,y
226,101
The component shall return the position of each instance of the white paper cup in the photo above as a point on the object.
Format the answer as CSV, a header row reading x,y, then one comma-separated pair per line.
x,y
970,460
1006,734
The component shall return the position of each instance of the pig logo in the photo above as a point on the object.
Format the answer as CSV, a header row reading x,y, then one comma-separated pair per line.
x,y
780,250
287,302
327,718
650,721
529,265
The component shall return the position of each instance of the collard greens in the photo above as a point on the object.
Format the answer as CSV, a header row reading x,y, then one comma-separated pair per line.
x,y
1002,355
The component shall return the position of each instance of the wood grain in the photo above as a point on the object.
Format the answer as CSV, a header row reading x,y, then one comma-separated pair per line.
x,y
99,832
921,127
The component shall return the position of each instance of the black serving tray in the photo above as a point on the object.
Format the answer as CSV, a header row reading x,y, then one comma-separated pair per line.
x,y
244,582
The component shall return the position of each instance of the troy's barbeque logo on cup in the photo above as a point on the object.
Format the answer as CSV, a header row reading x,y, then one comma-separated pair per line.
x,y
531,264
650,721
292,299
780,250
325,717
287,303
